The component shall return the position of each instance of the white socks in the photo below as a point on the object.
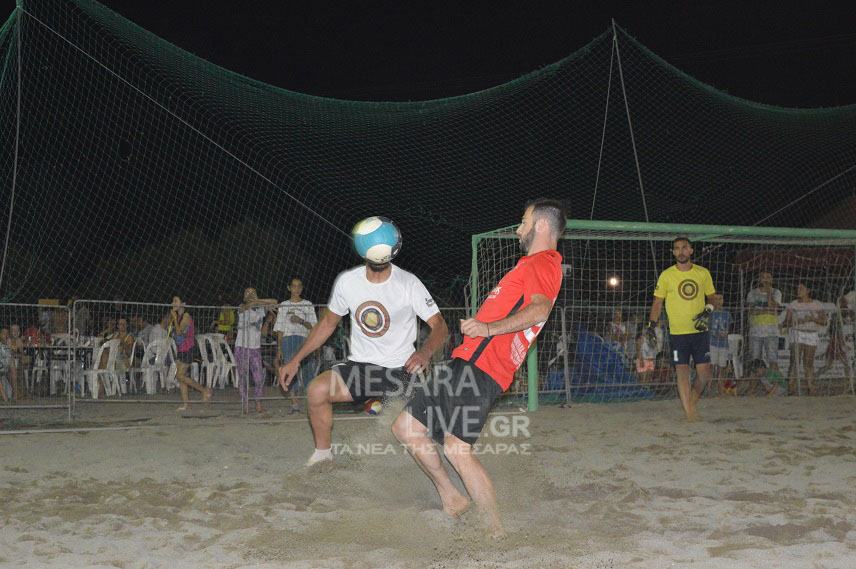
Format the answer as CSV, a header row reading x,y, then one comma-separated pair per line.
x,y
319,455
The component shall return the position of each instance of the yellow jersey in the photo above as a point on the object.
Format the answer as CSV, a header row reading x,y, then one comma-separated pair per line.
x,y
684,293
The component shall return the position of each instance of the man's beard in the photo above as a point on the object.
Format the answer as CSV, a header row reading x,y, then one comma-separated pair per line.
x,y
526,241
377,268
683,259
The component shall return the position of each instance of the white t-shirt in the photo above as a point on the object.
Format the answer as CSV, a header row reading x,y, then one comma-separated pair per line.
x,y
764,324
850,298
287,309
804,314
250,328
383,315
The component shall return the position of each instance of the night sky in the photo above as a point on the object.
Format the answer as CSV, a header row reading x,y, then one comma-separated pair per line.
x,y
795,54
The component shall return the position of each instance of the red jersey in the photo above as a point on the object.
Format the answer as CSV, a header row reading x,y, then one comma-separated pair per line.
x,y
500,356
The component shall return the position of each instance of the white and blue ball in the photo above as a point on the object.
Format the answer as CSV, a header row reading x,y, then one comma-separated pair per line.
x,y
377,239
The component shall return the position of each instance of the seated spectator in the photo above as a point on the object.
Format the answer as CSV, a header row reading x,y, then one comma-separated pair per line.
x,y
765,381
126,345
20,361
226,318
646,353
146,331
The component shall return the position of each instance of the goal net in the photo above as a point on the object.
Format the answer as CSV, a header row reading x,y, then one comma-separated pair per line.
x,y
593,347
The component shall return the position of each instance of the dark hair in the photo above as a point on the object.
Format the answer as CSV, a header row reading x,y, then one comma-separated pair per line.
x,y
681,238
550,210
755,365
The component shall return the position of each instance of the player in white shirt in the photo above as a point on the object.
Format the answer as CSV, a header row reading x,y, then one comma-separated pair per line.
x,y
383,301
294,320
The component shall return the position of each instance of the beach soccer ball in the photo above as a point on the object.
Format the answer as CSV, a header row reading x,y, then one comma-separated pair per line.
x,y
373,406
376,239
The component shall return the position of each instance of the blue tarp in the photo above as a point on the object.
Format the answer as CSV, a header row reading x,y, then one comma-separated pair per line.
x,y
599,372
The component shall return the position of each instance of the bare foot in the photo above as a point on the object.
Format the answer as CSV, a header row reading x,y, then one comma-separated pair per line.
x,y
456,505
693,416
497,531
259,408
183,408
207,394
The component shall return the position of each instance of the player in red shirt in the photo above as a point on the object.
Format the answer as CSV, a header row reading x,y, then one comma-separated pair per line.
x,y
453,407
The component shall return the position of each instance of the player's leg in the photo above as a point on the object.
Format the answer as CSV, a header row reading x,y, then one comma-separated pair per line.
x,y
807,355
771,351
682,371
257,371
476,479
414,435
793,368
323,391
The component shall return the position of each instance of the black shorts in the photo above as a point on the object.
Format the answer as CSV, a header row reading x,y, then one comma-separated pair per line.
x,y
456,400
369,381
686,346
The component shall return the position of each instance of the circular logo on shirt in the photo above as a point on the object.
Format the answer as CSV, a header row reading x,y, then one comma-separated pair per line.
x,y
688,289
373,318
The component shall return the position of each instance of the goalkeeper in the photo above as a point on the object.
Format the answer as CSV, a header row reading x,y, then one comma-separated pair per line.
x,y
687,290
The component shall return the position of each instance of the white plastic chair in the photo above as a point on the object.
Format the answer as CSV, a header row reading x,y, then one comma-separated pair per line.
x,y
107,373
135,372
210,367
61,362
39,371
228,367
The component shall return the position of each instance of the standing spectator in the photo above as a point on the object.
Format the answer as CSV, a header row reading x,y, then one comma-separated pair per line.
x,y
764,304
805,317
838,348
5,366
720,325
179,325
848,305
295,319
248,352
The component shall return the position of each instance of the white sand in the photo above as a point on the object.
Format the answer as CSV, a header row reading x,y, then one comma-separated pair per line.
x,y
767,483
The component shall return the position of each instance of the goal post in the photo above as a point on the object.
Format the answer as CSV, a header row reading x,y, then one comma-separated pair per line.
x,y
610,269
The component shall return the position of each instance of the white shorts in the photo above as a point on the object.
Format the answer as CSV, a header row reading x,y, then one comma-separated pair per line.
x,y
719,356
804,338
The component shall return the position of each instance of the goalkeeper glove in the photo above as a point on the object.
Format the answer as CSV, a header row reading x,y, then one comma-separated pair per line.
x,y
702,319
651,332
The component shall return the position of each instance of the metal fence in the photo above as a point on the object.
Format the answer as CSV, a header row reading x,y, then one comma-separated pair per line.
x,y
37,369
97,353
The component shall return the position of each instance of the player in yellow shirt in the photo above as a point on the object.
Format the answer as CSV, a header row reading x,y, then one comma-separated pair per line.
x,y
688,293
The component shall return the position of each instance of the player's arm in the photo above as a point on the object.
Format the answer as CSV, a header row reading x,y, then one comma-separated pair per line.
x,y
418,360
317,336
656,310
537,311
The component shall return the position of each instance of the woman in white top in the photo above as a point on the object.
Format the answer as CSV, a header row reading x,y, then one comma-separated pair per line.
x,y
805,317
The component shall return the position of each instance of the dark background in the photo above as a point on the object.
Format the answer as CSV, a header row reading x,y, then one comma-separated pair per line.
x,y
795,54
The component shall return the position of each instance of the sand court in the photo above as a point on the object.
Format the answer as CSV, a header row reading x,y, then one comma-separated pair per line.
x,y
766,482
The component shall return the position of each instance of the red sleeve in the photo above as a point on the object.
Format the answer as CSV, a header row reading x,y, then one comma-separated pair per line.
x,y
544,278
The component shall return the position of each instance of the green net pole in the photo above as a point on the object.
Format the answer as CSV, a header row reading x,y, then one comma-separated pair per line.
x,y
532,377
474,277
